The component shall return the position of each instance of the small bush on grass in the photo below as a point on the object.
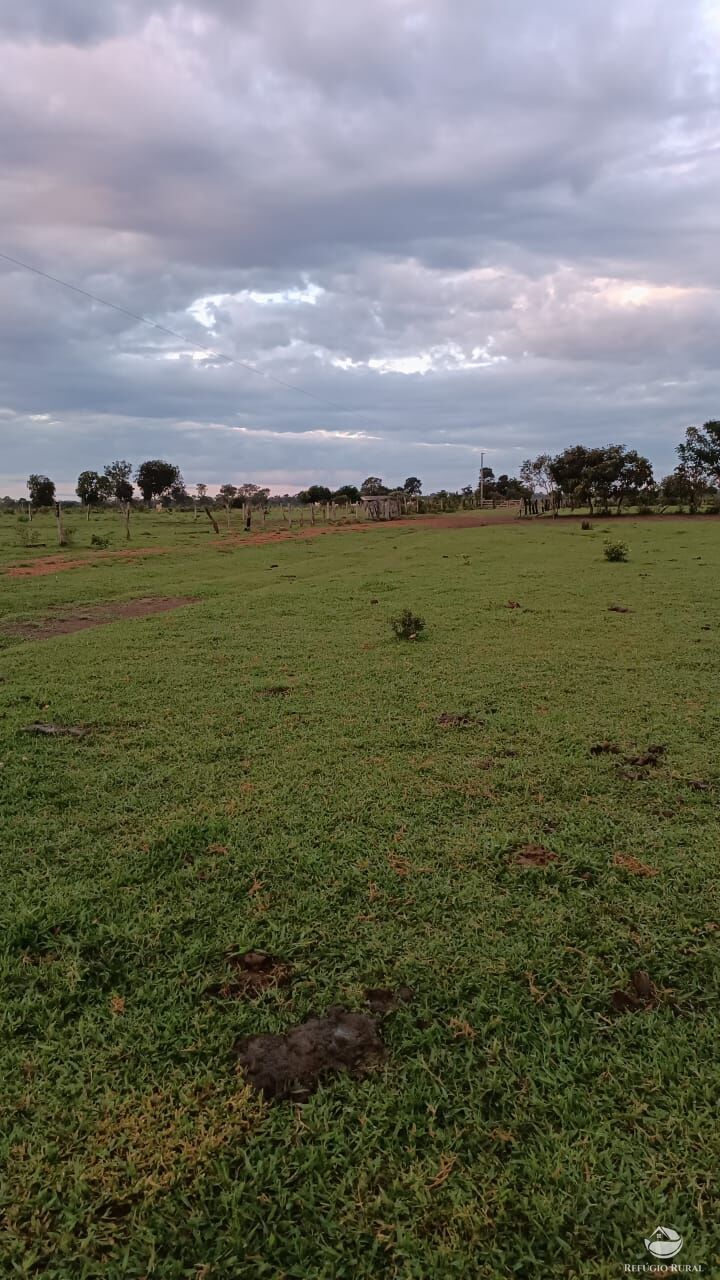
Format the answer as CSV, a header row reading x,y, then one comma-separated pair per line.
x,y
98,540
407,625
25,535
615,551
586,525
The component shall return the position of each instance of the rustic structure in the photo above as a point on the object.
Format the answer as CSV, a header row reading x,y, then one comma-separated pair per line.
x,y
382,506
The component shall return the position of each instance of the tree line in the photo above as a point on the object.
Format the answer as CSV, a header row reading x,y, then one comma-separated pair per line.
x,y
596,477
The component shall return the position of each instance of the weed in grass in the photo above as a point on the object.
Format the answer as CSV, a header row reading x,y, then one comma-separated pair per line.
x,y
616,551
407,625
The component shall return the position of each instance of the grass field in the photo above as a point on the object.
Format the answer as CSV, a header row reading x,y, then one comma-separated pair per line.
x,y
524,1122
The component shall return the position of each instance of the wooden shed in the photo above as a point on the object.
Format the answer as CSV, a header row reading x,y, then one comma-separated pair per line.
x,y
382,506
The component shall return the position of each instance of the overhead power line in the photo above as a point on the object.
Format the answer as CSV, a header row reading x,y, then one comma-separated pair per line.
x,y
172,333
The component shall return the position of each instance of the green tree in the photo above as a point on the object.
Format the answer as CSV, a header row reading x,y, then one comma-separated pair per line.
x,y
117,474
227,493
574,473
253,495
600,475
347,493
372,487
536,474
508,487
700,452
156,478
413,487
685,486
41,491
634,477
178,493
92,489
316,493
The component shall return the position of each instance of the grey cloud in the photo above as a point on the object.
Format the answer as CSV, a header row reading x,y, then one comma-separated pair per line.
x,y
464,184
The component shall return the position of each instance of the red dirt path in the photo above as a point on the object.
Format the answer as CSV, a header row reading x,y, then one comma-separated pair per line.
x,y
56,564
472,520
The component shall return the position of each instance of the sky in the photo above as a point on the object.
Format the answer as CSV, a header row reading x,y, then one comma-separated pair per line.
x,y
450,226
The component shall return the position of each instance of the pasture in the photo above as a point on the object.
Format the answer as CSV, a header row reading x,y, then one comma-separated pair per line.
x,y
475,816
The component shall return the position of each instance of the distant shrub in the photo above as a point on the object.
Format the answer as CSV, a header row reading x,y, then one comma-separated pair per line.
x,y
586,525
25,534
98,540
407,625
615,551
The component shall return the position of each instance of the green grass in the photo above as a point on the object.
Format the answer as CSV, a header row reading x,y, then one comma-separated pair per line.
x,y
340,828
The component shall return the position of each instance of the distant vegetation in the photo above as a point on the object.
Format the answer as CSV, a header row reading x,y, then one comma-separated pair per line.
x,y
601,479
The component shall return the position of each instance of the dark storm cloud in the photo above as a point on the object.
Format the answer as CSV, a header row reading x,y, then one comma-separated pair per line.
x,y
466,225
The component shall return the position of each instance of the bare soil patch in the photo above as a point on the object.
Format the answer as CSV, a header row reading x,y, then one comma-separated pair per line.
x,y
56,564
634,865
56,730
534,855
649,759
382,1000
459,720
253,973
640,993
94,615
292,1065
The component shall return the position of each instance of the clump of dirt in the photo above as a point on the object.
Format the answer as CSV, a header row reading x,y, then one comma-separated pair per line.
x,y
633,865
697,784
459,720
275,690
643,763
254,973
618,608
649,759
292,1065
382,1000
94,615
605,749
640,993
57,730
534,855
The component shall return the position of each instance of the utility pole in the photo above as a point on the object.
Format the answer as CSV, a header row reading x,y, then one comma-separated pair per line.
x,y
482,480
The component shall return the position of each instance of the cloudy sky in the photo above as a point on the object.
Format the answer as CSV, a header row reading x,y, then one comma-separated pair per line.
x,y
451,225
